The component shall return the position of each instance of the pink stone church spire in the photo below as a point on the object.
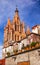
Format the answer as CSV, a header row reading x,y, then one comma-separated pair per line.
x,y
16,18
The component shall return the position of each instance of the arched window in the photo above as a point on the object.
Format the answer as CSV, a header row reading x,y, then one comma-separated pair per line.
x,y
15,37
18,38
15,26
21,28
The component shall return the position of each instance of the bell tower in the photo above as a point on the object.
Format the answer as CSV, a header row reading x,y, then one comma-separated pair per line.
x,y
14,31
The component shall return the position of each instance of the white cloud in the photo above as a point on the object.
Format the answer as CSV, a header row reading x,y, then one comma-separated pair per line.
x,y
1,46
1,51
7,8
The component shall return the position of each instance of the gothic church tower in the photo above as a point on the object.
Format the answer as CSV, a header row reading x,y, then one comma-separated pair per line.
x,y
14,31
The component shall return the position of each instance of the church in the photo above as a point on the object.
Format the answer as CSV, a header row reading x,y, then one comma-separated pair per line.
x,y
20,46
15,30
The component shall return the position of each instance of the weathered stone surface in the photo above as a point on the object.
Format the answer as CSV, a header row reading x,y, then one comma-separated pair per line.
x,y
32,56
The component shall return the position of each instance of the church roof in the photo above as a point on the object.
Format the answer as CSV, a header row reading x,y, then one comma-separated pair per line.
x,y
36,26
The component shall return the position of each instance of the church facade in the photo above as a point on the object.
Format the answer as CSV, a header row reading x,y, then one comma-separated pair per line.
x,y
20,45
14,31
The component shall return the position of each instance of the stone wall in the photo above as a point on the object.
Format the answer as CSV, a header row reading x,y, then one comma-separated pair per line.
x,y
32,56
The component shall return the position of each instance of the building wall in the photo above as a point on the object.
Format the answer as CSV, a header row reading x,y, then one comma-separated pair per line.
x,y
2,62
34,38
35,30
17,46
32,56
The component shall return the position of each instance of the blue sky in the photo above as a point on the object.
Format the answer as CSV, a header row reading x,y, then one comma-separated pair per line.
x,y
29,12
